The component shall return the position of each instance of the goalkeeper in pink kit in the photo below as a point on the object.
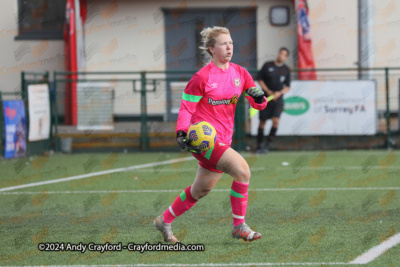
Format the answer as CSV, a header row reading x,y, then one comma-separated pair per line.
x,y
211,95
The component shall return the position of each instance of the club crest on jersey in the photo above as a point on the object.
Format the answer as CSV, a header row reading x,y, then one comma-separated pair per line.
x,y
233,100
236,81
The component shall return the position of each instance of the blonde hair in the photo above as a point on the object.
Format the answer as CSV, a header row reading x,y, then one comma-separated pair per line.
x,y
208,36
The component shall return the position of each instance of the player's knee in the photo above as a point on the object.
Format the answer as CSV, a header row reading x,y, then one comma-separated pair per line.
x,y
243,175
201,193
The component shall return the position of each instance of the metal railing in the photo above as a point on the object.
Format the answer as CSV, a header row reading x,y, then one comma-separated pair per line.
x,y
156,83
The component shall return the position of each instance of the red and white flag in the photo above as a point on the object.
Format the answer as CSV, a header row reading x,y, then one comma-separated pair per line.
x,y
305,55
74,45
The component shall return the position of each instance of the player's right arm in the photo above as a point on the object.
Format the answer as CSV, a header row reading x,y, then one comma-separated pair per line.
x,y
191,96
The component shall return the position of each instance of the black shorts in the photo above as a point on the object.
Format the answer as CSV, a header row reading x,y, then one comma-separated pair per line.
x,y
273,110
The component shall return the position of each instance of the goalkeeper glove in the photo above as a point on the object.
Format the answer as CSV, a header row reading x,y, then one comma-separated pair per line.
x,y
257,94
184,143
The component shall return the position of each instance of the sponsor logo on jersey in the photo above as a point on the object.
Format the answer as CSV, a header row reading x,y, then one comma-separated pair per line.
x,y
233,100
236,81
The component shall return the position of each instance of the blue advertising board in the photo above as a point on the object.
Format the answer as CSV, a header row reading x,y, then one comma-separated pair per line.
x,y
15,128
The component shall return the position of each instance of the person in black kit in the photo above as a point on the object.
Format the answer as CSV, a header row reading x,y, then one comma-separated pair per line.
x,y
274,78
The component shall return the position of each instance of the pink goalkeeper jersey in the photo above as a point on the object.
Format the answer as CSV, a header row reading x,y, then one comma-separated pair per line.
x,y
211,95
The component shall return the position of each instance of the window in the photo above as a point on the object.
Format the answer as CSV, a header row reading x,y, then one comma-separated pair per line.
x,y
41,19
279,15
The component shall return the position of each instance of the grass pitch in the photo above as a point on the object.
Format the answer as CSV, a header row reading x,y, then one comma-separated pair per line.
x,y
311,207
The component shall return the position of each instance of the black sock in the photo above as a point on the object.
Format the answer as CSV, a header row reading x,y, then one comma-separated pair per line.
x,y
272,133
260,137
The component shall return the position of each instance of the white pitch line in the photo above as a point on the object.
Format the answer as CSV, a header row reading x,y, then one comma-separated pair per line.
x,y
209,264
77,177
147,165
214,190
378,250
287,168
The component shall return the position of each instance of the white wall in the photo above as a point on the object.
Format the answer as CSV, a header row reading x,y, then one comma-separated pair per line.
x,y
387,53
334,28
18,55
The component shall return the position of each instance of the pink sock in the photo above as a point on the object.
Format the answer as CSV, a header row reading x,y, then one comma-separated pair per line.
x,y
181,204
239,198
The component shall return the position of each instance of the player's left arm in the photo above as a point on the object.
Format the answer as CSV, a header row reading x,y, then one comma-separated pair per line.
x,y
257,99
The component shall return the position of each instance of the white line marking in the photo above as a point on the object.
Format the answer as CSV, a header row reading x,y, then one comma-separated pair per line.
x,y
378,250
326,188
288,168
77,177
180,190
147,165
209,264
